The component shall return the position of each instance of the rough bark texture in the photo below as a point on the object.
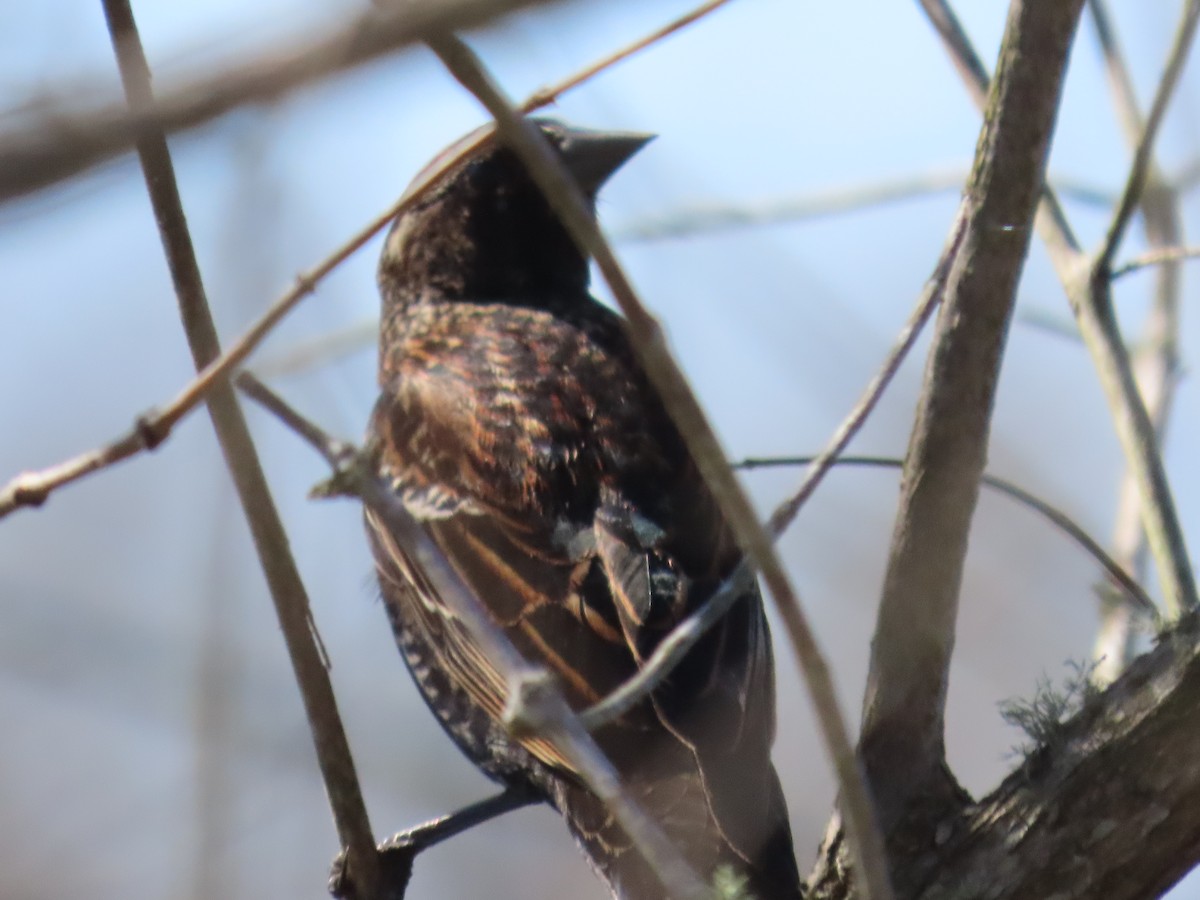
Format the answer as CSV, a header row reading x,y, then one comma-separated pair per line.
x,y
902,743
1111,810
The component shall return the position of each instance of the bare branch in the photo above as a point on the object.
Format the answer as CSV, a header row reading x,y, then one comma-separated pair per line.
x,y
546,96
1140,417
903,729
1091,302
962,53
675,645
1132,592
930,298
646,337
1160,256
62,146
535,705
1091,816
34,488
1052,223
270,540
681,639
1155,361
670,651
715,217
1143,153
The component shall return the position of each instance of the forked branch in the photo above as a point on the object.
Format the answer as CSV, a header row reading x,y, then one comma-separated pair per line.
x,y
903,729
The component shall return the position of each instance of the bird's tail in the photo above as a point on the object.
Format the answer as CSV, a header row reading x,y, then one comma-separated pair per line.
x,y
762,862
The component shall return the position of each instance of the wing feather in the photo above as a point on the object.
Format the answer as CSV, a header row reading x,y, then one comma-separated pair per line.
x,y
556,486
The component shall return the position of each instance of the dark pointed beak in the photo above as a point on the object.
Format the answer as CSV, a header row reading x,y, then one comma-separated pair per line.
x,y
593,156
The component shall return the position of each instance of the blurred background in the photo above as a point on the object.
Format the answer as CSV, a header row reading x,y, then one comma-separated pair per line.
x,y
154,743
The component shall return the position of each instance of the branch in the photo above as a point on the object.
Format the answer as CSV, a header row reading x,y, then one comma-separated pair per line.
x,y
1143,153
1132,592
1155,363
1091,298
903,729
398,853
645,334
1092,815
1160,256
1052,224
713,218
151,429
270,539
683,637
64,145
675,645
1091,304
932,295
535,705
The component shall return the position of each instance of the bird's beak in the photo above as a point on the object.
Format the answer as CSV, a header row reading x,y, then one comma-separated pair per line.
x,y
593,156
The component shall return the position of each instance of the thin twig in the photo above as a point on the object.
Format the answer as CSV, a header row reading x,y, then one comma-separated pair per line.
x,y
711,218
969,64
34,488
1091,304
931,296
645,334
270,539
683,637
535,703
1143,154
1134,593
1056,233
669,652
1154,361
549,95
1159,256
675,645
63,145
1140,417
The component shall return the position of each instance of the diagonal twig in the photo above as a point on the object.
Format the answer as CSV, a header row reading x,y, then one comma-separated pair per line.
x,y
1155,361
270,540
684,636
710,218
931,296
63,145
535,703
1135,183
149,430
1132,592
1140,417
646,337
1091,303
1160,256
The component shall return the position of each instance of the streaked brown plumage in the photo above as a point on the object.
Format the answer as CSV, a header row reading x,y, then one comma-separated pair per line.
x,y
518,426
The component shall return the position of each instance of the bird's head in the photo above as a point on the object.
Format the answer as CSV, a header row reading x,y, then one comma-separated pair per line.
x,y
483,231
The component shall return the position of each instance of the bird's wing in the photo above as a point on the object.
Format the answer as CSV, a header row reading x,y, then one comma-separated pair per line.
x,y
574,514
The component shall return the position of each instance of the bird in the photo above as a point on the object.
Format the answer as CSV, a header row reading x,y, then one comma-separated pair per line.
x,y
516,424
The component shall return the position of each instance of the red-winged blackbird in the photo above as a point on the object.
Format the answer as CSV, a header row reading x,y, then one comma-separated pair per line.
x,y
518,426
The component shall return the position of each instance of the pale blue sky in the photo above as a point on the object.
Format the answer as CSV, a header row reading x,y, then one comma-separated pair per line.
x,y
105,593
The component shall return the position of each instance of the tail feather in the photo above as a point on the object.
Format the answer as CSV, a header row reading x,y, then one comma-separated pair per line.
x,y
681,807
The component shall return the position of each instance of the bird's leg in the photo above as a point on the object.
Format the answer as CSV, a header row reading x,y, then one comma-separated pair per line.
x,y
398,853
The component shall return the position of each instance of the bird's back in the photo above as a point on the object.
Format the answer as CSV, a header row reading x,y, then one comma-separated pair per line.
x,y
540,459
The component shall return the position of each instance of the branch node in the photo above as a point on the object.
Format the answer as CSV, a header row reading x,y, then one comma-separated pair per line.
x,y
29,495
150,430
